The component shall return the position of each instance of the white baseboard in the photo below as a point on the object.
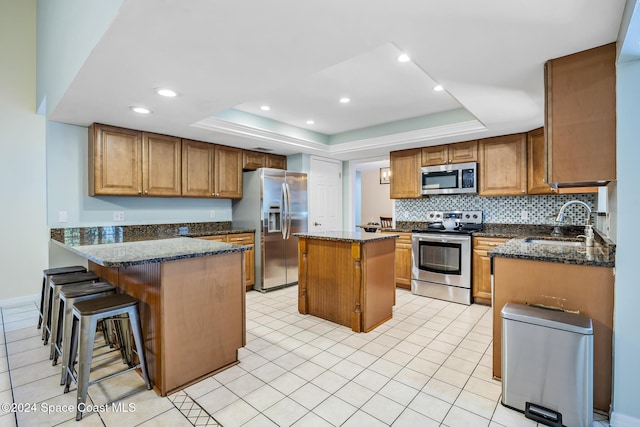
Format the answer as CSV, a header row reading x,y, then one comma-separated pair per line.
x,y
10,302
622,420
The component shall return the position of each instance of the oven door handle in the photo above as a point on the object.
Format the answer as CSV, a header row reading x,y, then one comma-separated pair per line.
x,y
441,239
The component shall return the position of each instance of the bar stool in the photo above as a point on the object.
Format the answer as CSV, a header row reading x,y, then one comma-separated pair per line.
x,y
61,330
86,315
46,275
52,299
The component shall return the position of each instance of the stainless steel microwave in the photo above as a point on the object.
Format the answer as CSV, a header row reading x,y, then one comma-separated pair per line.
x,y
456,178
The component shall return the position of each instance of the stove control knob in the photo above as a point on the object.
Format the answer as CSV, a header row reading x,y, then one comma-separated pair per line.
x,y
467,216
437,215
431,216
475,216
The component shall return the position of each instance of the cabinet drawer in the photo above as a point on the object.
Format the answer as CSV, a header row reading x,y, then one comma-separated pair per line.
x,y
240,238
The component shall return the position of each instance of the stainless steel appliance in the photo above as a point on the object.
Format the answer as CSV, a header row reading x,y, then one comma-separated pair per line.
x,y
274,202
547,365
457,178
441,256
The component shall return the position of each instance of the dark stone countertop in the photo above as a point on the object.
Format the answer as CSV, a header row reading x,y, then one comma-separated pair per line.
x,y
346,236
121,246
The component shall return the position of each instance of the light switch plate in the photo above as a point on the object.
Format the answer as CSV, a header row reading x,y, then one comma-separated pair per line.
x,y
118,216
524,215
62,216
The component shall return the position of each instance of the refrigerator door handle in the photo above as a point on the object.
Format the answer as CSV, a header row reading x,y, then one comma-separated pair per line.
x,y
283,211
288,210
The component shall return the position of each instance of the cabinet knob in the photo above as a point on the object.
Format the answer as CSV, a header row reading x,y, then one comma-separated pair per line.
x,y
523,190
146,192
139,192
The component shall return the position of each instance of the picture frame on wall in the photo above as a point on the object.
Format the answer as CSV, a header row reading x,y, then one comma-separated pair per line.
x,y
385,175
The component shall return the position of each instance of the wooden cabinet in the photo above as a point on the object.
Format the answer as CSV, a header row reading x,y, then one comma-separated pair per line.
x,y
403,260
502,164
588,290
461,152
246,239
161,165
580,117
481,284
227,181
252,160
276,162
537,163
126,162
405,174
210,170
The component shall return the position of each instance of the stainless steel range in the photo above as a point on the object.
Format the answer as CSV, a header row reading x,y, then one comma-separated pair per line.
x,y
441,255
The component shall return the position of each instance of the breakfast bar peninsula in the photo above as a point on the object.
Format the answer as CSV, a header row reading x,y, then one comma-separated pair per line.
x,y
347,277
191,293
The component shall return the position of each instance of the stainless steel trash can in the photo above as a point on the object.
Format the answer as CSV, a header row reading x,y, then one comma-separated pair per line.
x,y
547,365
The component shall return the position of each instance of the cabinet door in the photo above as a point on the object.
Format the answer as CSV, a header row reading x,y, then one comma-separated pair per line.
x,y
115,161
249,256
481,286
436,155
276,162
161,165
252,160
503,165
405,174
228,172
580,118
197,169
463,152
403,261
537,163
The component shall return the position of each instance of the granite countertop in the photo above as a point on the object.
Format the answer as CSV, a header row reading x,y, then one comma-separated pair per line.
x,y
121,246
597,256
346,236
151,251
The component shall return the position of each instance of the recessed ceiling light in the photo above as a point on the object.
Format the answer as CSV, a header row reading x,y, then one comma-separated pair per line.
x,y
344,100
166,92
265,108
140,110
404,58
310,122
438,88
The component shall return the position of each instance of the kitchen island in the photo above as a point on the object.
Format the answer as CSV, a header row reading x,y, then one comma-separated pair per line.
x,y
192,300
347,277
576,279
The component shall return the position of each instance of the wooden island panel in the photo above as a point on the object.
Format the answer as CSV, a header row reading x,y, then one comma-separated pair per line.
x,y
192,313
346,282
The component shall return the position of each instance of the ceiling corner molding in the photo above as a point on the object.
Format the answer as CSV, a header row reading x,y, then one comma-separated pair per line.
x,y
312,147
218,125
407,138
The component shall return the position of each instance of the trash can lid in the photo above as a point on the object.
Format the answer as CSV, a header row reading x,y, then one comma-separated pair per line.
x,y
556,319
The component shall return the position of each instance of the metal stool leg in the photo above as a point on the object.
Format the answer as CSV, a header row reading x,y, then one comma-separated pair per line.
x,y
86,338
136,327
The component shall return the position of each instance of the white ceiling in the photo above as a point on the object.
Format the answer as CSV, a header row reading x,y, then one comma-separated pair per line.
x,y
300,57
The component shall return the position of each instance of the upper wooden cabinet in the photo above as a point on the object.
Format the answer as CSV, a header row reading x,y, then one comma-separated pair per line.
x,y
461,152
537,164
210,170
228,172
580,117
252,160
126,162
405,174
502,164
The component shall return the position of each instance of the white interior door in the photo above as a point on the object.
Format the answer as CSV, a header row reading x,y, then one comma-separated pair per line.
x,y
325,194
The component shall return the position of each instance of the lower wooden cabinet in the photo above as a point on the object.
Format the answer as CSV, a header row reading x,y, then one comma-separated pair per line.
x,y
246,239
481,284
403,260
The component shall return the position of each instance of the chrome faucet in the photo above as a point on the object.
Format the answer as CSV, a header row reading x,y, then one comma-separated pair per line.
x,y
587,227
560,216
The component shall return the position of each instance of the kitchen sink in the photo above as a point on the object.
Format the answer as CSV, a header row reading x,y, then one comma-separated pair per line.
x,y
543,241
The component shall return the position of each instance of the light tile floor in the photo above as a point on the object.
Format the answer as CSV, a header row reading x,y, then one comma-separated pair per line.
x,y
428,366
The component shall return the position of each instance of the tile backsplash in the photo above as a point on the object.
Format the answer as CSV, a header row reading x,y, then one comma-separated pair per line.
x,y
541,209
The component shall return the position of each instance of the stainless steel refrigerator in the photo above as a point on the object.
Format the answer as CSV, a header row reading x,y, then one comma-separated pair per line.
x,y
274,202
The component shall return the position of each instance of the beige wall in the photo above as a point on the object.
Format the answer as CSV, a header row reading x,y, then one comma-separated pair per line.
x,y
23,251
375,201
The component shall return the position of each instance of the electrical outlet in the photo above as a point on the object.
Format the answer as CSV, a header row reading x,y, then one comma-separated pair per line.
x,y
62,216
118,216
524,215
212,213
